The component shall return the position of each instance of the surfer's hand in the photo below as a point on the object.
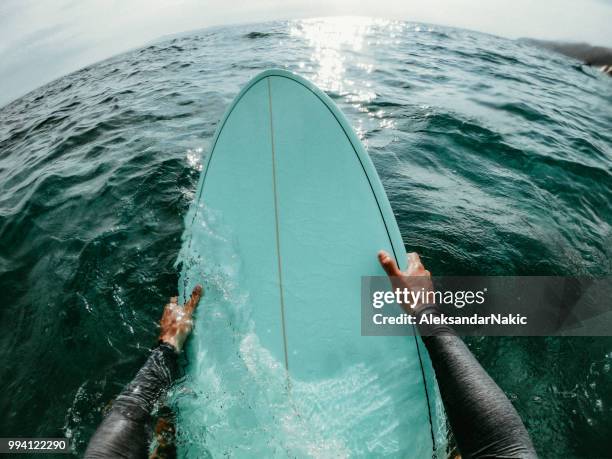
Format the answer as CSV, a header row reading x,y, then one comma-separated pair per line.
x,y
415,278
176,322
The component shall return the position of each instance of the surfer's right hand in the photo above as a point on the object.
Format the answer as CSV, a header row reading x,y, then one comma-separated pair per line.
x,y
176,322
415,278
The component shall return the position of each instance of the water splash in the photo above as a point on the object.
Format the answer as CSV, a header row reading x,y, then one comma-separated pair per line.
x,y
235,398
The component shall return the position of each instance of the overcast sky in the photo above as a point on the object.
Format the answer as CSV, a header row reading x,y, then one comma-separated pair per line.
x,y
41,40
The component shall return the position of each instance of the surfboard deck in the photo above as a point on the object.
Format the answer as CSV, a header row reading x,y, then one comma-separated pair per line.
x,y
305,212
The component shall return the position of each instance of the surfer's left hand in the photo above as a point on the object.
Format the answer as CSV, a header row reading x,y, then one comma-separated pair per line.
x,y
176,322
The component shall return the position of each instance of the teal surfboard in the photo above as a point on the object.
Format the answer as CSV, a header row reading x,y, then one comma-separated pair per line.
x,y
289,214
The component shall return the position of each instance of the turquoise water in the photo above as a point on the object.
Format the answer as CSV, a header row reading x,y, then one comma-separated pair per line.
x,y
496,157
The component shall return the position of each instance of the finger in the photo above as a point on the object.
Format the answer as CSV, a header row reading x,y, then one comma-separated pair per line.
x,y
173,300
414,262
194,300
388,264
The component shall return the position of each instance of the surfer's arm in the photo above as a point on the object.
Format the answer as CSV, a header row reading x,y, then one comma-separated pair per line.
x,y
124,431
483,421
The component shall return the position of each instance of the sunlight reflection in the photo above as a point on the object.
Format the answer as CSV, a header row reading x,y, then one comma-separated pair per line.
x,y
341,63
332,39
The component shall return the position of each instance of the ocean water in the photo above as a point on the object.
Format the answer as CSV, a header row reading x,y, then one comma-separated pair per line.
x,y
496,156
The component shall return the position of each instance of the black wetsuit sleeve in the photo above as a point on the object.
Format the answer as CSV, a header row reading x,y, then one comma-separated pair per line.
x,y
483,421
124,431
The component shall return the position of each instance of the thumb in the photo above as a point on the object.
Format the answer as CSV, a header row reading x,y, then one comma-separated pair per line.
x,y
194,300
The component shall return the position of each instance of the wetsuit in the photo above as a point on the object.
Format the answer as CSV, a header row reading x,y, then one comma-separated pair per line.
x,y
484,422
124,432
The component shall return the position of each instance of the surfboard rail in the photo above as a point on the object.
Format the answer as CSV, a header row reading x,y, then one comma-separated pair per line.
x,y
366,162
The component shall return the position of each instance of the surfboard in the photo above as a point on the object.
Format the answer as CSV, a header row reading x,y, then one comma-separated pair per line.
x,y
305,213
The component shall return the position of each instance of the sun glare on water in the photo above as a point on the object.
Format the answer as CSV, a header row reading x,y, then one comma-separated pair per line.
x,y
332,41
339,47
